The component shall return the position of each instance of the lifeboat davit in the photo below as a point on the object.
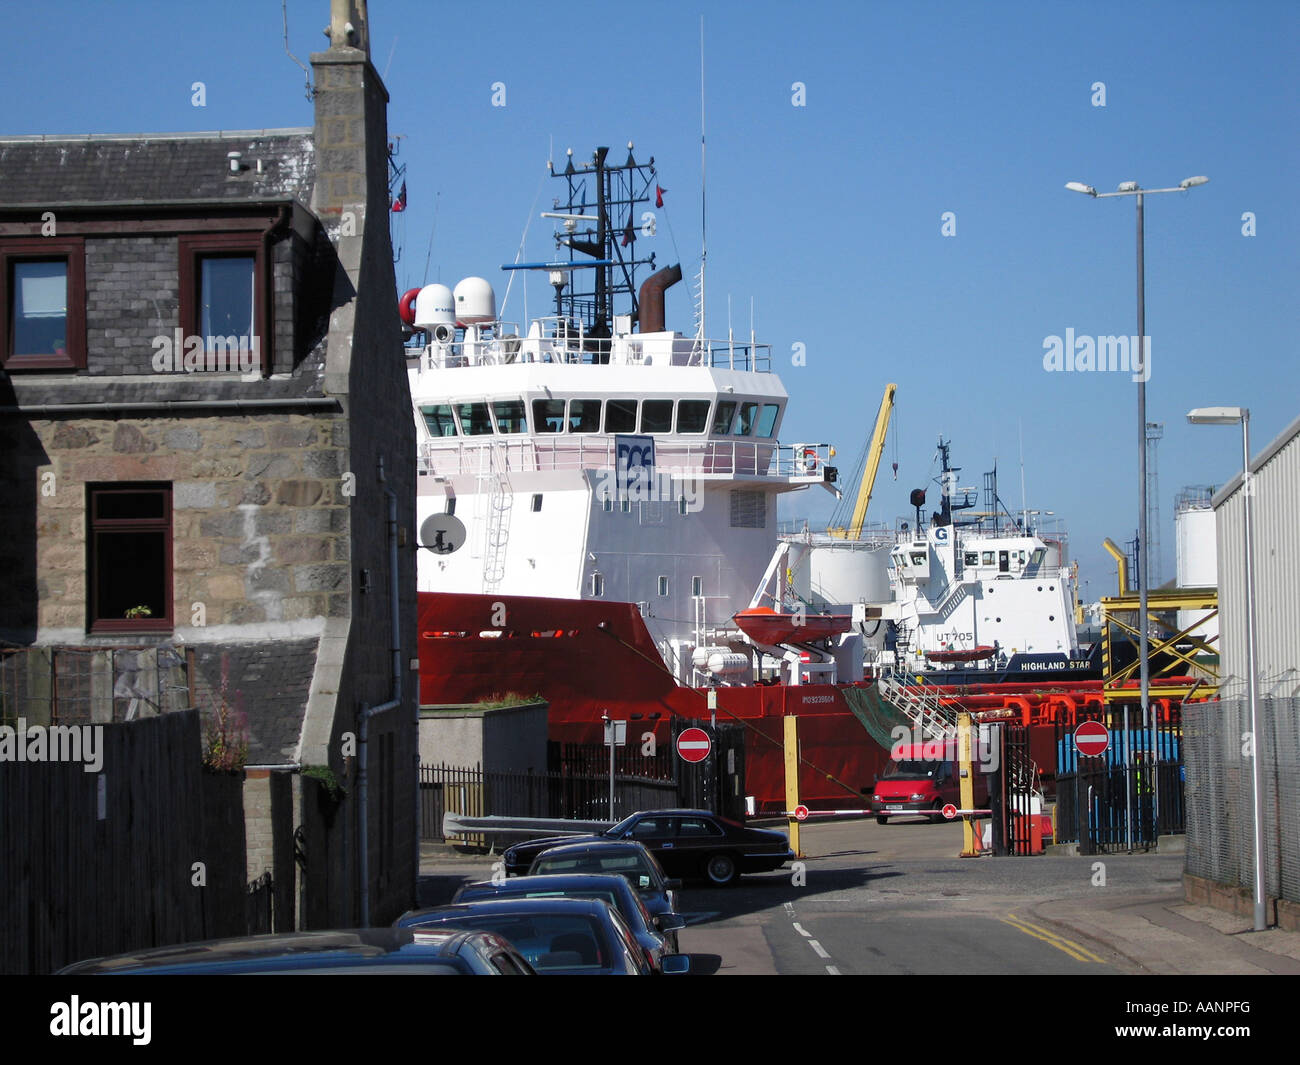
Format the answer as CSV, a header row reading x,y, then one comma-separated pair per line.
x,y
764,625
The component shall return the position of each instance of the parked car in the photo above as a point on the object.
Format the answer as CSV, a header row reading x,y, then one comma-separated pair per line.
x,y
622,857
558,936
687,843
450,952
658,935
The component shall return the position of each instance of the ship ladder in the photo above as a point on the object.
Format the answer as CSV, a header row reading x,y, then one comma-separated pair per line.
x,y
500,499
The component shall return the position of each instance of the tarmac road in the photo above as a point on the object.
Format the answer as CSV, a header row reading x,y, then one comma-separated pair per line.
x,y
894,900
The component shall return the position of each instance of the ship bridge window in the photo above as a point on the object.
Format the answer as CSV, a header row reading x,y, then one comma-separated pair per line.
x,y
657,416
723,416
548,415
692,415
510,416
918,558
474,420
1037,557
971,558
767,421
745,423
584,415
438,420
620,416
987,558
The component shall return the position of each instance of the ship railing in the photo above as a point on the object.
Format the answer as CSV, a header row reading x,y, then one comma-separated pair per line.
x,y
728,355
447,456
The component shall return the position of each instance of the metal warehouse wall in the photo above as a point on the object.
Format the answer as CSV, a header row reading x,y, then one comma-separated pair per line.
x,y
1276,516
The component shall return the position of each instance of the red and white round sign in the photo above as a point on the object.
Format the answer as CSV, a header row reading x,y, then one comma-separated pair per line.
x,y
950,811
1091,738
801,813
694,745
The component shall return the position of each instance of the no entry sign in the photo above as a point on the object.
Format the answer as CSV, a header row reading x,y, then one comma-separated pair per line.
x,y
1091,738
694,745
801,812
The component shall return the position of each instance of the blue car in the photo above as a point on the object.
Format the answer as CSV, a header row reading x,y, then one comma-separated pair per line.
x,y
450,952
558,936
658,935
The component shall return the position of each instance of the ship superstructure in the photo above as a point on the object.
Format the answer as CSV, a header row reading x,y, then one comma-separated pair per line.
x,y
596,454
986,587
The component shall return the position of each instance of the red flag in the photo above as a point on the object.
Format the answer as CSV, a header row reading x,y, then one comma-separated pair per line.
x,y
659,196
399,204
628,234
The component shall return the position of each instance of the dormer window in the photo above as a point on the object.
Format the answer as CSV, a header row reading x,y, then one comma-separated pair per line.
x,y
43,304
223,279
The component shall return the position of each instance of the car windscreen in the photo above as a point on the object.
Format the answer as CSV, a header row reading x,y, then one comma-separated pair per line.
x,y
909,769
550,942
631,866
479,894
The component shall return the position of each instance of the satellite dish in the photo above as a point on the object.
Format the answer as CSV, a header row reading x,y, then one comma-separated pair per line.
x,y
442,533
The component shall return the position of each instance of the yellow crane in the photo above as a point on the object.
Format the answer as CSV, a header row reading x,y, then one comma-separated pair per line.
x,y
875,449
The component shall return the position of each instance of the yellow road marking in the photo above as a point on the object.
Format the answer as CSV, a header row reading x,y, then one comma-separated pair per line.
x,y
1067,946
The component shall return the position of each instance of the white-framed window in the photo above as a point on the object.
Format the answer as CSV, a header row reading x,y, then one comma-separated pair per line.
x,y
697,586
663,586
597,585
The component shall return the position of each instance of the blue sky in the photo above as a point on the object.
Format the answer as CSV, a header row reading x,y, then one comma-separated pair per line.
x,y
829,215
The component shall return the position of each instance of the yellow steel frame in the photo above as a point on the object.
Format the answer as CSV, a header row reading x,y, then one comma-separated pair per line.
x,y
1120,613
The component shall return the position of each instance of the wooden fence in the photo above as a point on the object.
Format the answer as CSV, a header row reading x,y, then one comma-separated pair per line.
x,y
147,851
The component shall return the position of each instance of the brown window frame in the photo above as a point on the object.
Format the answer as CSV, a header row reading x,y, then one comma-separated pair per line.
x,y
192,248
164,524
29,249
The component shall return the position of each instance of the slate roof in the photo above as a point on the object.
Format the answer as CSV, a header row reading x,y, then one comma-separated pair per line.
x,y
156,168
268,682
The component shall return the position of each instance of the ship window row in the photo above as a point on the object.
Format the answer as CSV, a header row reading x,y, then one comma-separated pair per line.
x,y
649,416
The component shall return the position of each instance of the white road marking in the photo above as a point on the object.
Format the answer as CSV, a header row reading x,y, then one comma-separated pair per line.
x,y
817,947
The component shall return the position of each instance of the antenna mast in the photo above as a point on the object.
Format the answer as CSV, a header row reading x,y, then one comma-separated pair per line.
x,y
704,229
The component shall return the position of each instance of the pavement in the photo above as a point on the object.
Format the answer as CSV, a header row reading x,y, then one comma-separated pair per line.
x,y
1128,909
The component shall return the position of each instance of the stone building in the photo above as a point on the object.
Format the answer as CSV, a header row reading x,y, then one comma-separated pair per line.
x,y
204,419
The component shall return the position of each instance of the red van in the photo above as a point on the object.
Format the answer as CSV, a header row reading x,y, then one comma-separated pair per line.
x,y
921,779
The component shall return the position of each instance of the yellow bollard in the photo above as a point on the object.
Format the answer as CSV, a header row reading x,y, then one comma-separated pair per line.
x,y
792,778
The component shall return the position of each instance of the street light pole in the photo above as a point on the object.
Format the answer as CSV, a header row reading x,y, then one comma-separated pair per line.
x,y
1131,188
1230,416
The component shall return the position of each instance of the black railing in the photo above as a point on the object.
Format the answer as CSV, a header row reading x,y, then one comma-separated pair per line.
x,y
581,796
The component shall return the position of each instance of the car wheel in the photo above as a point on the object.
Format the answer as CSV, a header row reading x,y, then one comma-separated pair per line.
x,y
882,820
721,869
936,814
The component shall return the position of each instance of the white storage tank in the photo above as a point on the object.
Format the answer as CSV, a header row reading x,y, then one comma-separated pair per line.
x,y
838,573
1196,549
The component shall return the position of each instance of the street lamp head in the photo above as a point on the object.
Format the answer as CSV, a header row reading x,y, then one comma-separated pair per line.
x,y
1128,186
1192,182
1079,186
1217,415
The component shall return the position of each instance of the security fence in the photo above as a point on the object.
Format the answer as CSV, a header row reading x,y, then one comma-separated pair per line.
x,y
1220,812
1130,795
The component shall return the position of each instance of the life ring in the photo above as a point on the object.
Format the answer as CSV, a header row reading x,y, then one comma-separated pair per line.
x,y
808,460
406,306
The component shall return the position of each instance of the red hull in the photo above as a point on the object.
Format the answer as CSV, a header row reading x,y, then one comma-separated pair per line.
x,y
586,657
